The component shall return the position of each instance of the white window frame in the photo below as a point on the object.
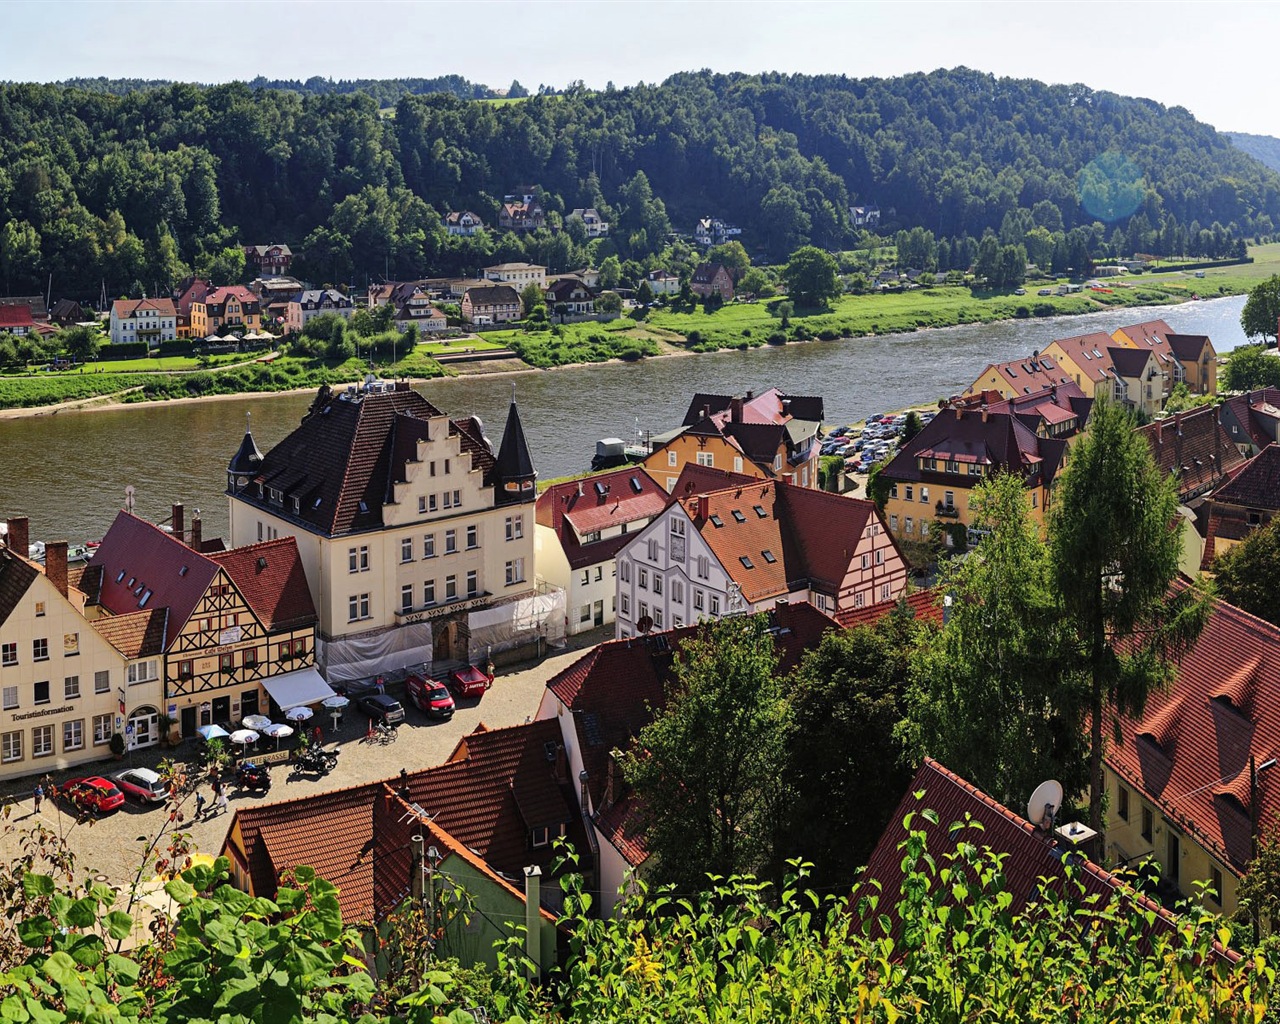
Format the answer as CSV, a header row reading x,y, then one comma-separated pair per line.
x,y
42,741
406,550
71,688
73,735
11,747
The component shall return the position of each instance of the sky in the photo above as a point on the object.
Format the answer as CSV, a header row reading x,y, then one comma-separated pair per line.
x,y
1197,55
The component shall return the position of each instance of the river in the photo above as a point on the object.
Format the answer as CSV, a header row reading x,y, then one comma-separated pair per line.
x,y
69,472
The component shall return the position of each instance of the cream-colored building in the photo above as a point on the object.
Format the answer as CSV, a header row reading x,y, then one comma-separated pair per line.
x,y
416,537
64,688
518,274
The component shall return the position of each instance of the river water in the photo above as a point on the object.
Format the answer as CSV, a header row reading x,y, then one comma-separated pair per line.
x,y
68,472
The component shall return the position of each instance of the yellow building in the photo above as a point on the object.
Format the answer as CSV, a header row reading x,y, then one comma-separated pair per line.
x,y
1019,376
222,309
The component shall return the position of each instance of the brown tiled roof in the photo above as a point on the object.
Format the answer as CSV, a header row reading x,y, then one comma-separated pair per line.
x,y
1257,485
1188,348
1249,410
1035,373
272,580
128,307
138,634
705,273
925,605
1148,334
1052,405
16,576
999,441
87,579
215,300
695,479
1195,446
629,495
493,295
1191,745
623,827
1129,362
1089,352
1029,857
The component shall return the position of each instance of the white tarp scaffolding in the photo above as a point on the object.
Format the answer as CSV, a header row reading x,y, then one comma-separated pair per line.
x,y
525,621
374,654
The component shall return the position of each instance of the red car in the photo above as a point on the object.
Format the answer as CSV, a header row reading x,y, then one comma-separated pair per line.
x,y
430,696
469,682
94,794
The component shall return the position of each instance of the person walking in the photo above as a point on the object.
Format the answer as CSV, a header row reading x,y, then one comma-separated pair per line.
x,y
221,802
318,736
37,795
199,805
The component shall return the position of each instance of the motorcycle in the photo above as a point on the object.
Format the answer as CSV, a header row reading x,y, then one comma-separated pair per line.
x,y
253,776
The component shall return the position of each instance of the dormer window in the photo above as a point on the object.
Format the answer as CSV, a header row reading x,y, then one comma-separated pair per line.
x,y
759,509
717,522
738,516
746,562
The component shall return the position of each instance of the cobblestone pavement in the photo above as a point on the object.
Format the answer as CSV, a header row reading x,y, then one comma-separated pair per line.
x,y
111,849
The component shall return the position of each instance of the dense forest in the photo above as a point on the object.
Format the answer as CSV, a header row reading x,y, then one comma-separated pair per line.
x,y
385,90
130,191
1265,148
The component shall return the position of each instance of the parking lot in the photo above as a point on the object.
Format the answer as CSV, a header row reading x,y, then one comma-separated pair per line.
x,y
110,849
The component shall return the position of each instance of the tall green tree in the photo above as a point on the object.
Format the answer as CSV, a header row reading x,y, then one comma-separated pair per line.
x,y
1248,367
812,276
80,343
1246,573
530,296
1115,537
732,256
990,695
1261,312
709,768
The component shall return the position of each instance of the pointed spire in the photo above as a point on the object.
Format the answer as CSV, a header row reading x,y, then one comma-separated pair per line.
x,y
247,459
513,473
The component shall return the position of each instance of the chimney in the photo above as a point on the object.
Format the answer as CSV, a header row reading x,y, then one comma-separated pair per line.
x,y
735,410
751,394
533,919
706,411
984,412
55,564
703,507
178,523
20,535
195,533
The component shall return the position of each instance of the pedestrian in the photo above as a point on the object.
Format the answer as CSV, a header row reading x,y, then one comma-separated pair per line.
x,y
217,786
222,801
38,795
199,805
318,736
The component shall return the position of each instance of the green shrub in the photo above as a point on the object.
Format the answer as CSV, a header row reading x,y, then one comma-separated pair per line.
x,y
1021,313
1043,309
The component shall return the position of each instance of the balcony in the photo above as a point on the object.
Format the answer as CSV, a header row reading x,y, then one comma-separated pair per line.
x,y
946,511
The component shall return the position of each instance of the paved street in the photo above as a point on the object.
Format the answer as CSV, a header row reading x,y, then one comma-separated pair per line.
x,y
110,848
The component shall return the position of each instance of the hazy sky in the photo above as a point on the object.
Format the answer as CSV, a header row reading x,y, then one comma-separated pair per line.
x,y
1211,58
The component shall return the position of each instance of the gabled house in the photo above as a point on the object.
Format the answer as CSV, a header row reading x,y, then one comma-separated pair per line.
x,y
602,701
1252,419
709,231
1196,362
597,226
268,260
491,304
230,633
517,274
580,526
1137,380
35,303
1194,446
864,216
522,216
16,320
1178,776
750,547
663,282
416,532
68,313
149,320
412,303
1019,376
1249,499
1085,359
769,435
576,298
463,223
492,810
274,295
221,309
712,277
307,305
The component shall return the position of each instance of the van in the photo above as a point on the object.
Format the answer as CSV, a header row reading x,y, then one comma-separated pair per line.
x,y
1199,273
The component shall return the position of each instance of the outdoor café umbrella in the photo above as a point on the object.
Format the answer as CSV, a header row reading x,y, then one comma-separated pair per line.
x,y
244,737
258,722
212,732
278,731
337,702
299,714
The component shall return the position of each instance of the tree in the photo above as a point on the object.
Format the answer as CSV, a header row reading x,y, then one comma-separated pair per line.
x,y
989,696
530,296
912,426
80,343
1261,312
754,282
644,294
986,266
785,310
226,266
709,767
608,302
1115,538
1249,367
812,276
610,272
732,255
19,255
1245,573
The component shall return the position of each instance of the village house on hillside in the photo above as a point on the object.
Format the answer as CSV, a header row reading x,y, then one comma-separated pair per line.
x,y
149,320
517,274
576,298
463,223
709,231
270,260
416,534
491,304
223,308
411,301
597,226
712,278
749,546
1195,447
522,216
663,282
308,305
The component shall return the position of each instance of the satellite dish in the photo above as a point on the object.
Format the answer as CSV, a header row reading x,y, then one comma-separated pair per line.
x,y
645,624
1044,804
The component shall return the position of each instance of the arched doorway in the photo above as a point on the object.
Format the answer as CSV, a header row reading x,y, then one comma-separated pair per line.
x,y
143,727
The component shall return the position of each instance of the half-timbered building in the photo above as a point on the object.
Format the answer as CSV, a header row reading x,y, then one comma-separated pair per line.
x,y
230,633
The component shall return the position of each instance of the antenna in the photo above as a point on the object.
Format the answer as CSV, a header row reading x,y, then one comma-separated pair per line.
x,y
129,492
1045,802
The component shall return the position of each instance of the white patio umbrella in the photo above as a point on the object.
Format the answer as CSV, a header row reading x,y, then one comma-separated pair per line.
x,y
259,722
244,737
212,732
336,702
278,731
299,714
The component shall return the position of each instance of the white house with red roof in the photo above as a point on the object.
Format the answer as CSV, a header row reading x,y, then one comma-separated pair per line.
x,y
16,320
580,526
751,546
149,320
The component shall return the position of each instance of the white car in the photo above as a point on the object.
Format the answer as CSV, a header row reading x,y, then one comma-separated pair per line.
x,y
142,784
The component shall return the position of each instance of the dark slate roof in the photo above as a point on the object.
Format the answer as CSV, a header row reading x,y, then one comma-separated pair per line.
x,y
1188,347
1257,485
247,459
514,461
493,295
16,576
1129,362
706,273
695,479
1195,446
1250,410
967,436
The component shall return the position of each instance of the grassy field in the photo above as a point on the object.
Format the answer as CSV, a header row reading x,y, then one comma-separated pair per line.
x,y
483,343
584,343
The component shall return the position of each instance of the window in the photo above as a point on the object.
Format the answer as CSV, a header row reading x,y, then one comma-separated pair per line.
x,y
893,522
42,692
515,571
450,541
893,491
249,657
705,459
358,559
624,571
11,747
473,538
880,556
866,561
9,654
586,577
226,663
101,730
406,549
1148,824
625,606
643,580
101,681
949,499
40,649
42,741
10,698
457,496
777,463
451,588
924,528
886,592
584,613
357,607
924,494
672,457
704,567
406,598
39,609
515,527
715,604
473,583
769,556
1122,804
448,500
677,592
657,618
737,463
431,467
429,592
653,550
185,669
71,641
643,611
431,502
541,836
739,516
422,503
446,472
599,573
746,562
71,688
143,672
698,600
657,583
1215,886
909,525
910,493
428,545
1035,499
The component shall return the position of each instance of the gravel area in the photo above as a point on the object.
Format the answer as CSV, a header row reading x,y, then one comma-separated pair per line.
x,y
110,848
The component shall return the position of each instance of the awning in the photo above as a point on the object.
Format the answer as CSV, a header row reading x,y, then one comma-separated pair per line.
x,y
293,689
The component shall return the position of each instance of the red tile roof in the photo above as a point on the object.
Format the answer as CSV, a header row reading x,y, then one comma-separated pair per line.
x,y
628,495
1256,414
695,479
124,308
1194,445
1257,485
1188,348
1034,373
138,634
15,316
1089,352
925,605
1190,748
997,440
272,580
622,826
215,300
1029,856
1148,334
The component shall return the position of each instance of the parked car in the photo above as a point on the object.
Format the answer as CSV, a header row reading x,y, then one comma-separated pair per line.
x,y
1045,291
142,784
93,795
469,681
430,696
381,708
357,688
1019,291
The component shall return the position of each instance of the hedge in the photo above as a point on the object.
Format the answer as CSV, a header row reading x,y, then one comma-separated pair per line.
x,y
123,350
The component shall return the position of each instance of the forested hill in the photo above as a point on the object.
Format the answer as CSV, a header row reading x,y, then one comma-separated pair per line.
x,y
137,188
1265,148
386,91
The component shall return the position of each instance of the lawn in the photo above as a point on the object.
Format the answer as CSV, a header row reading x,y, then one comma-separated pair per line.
x,y
448,347
582,343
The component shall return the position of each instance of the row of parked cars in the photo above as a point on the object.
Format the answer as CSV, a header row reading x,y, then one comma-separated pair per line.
x,y
434,698
876,442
